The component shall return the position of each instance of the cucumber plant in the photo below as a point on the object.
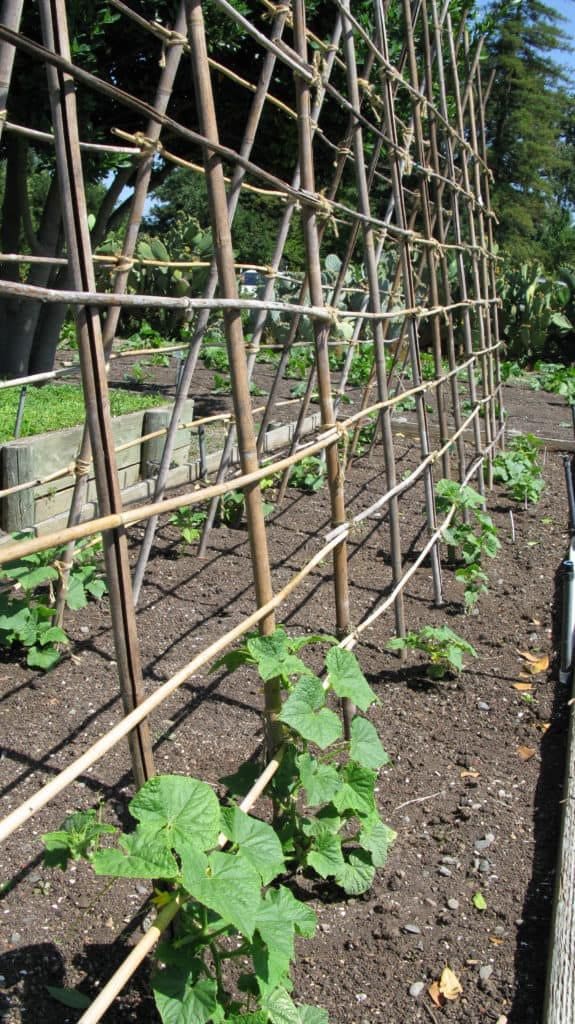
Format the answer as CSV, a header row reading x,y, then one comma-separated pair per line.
x,y
472,538
188,520
444,648
27,600
519,470
324,790
229,911
309,474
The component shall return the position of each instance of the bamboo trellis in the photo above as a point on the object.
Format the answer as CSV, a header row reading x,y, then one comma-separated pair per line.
x,y
402,197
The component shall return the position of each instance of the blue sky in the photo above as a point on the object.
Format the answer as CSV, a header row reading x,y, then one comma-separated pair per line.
x,y
567,9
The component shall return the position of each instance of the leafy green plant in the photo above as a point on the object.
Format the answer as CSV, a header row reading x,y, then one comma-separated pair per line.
x,y
222,385
556,378
232,504
215,357
444,648
26,612
324,790
519,470
229,912
28,623
299,363
189,521
473,538
309,475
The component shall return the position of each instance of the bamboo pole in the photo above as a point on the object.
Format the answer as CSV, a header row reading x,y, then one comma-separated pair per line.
x,y
189,367
120,283
11,15
409,287
335,473
68,159
236,352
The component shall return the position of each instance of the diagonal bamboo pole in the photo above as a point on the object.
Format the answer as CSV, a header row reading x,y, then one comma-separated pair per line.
x,y
69,164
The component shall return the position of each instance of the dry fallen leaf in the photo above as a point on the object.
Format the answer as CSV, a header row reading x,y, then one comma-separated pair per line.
x,y
535,622
535,662
495,940
541,665
449,984
435,994
522,687
469,774
543,726
526,753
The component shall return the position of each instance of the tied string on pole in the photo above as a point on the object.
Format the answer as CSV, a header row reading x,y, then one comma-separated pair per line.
x,y
372,97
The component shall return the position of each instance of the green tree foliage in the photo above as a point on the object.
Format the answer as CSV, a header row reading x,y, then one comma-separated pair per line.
x,y
530,130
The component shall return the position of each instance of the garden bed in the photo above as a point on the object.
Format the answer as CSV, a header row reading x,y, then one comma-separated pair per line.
x,y
473,790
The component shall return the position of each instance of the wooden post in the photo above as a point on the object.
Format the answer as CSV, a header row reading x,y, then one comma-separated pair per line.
x,y
17,468
152,449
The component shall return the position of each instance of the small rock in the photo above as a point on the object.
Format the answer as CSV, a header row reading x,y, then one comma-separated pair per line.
x,y
416,989
361,997
485,972
453,904
443,870
485,843
142,889
484,865
482,705
413,929
15,937
448,860
85,630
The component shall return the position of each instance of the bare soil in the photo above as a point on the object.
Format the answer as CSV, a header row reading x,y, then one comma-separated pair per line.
x,y
473,790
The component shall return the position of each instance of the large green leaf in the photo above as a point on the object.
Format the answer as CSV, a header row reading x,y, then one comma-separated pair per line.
x,y
376,837
312,1014
356,791
227,883
76,594
320,781
180,999
142,857
178,810
366,747
303,712
42,657
357,873
281,1007
326,857
279,918
326,820
347,679
257,841
273,656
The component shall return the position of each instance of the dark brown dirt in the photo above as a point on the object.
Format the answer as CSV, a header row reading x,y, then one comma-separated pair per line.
x,y
473,790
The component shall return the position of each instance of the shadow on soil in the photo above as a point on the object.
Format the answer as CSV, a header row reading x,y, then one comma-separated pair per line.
x,y
535,923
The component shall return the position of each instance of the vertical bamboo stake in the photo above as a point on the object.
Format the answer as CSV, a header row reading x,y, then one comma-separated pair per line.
x,y
235,345
265,78
10,16
410,298
120,284
458,233
481,316
69,164
371,266
321,331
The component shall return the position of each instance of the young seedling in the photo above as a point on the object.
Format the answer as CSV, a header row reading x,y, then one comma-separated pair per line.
x,y
472,534
189,521
519,470
309,475
444,648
